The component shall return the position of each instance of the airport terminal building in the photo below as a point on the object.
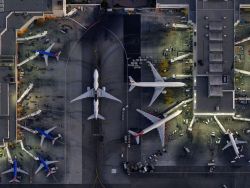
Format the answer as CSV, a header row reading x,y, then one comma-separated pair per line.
x,y
14,16
213,43
213,51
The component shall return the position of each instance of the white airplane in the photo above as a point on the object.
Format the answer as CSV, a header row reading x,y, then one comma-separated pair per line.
x,y
233,142
159,84
157,123
46,54
96,92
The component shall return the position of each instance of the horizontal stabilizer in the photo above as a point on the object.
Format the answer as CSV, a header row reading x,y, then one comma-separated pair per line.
x,y
136,135
103,93
131,80
14,180
93,117
100,117
131,87
51,172
58,55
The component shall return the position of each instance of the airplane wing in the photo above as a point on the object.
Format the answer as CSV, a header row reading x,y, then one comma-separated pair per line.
x,y
22,171
240,141
157,92
49,130
152,118
104,94
39,168
89,93
46,57
161,131
157,76
226,146
42,139
51,162
50,47
8,171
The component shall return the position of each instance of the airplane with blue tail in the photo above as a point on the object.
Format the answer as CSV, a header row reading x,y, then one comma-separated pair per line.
x,y
46,54
46,134
15,170
45,164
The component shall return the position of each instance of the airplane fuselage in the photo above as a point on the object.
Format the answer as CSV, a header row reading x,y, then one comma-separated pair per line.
x,y
96,107
15,168
46,167
160,123
96,100
232,140
96,80
158,84
42,52
43,133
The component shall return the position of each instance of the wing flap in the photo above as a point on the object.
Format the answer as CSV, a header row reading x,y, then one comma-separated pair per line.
x,y
157,92
157,76
50,47
102,93
8,171
51,162
227,145
42,139
240,141
39,168
89,93
49,130
46,57
152,118
161,131
22,171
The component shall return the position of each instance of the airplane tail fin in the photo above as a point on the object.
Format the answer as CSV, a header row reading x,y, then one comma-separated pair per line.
x,y
14,180
93,116
136,135
58,55
131,80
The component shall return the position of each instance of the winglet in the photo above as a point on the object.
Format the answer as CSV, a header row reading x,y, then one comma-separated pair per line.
x,y
136,135
131,80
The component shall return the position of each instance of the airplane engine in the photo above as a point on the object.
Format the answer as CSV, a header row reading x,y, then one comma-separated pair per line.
x,y
104,88
88,88
164,92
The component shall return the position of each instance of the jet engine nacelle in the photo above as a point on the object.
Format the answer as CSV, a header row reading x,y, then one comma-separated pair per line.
x,y
104,88
164,92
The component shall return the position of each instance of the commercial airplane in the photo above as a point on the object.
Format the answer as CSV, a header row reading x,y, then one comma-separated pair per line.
x,y
15,169
233,142
46,134
45,164
158,124
96,92
159,84
46,54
